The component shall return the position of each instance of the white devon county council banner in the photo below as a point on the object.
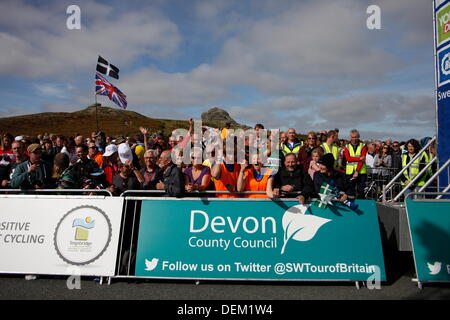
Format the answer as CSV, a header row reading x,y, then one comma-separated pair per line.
x,y
59,235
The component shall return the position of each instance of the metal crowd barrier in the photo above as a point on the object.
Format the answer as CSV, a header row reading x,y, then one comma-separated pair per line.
x,y
422,196
377,178
400,173
67,192
131,216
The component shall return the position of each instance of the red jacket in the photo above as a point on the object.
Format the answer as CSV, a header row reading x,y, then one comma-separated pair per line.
x,y
354,159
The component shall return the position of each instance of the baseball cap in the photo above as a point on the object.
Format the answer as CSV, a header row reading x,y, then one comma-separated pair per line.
x,y
125,152
110,150
327,160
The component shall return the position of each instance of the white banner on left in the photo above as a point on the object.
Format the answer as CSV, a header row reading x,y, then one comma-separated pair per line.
x,y
49,235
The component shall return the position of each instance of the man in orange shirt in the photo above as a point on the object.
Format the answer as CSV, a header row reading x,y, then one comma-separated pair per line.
x,y
95,155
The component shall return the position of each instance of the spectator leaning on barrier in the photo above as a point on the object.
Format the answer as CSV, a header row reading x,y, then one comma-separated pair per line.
x,y
225,174
34,173
197,176
355,156
172,176
127,178
291,178
254,178
151,173
327,174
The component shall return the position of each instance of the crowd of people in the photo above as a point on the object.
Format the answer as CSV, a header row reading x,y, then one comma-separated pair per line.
x,y
296,169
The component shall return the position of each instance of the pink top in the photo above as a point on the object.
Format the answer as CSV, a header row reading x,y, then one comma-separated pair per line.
x,y
313,167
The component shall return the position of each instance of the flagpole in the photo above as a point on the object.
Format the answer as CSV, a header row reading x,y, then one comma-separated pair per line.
x,y
96,111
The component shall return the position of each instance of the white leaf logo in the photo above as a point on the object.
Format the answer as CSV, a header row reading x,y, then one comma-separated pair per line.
x,y
300,226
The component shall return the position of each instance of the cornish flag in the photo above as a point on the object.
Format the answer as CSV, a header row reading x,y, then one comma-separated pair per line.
x,y
106,68
105,88
326,195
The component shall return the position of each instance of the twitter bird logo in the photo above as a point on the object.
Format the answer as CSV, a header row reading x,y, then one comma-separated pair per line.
x,y
151,265
434,268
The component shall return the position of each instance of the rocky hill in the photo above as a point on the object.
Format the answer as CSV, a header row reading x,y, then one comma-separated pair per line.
x,y
218,115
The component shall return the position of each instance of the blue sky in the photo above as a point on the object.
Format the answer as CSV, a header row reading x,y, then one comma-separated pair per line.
x,y
310,65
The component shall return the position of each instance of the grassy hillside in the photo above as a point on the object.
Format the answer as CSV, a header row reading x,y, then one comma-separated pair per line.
x,y
112,121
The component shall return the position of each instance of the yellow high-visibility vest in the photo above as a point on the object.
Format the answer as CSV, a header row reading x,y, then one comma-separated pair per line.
x,y
414,170
296,149
334,151
351,166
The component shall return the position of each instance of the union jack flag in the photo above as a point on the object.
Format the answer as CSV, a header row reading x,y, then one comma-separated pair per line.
x,y
105,88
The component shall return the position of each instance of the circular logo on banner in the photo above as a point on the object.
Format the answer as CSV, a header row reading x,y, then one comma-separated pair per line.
x,y
82,235
445,64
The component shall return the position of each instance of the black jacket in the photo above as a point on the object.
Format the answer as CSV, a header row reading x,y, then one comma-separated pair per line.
x,y
299,179
173,181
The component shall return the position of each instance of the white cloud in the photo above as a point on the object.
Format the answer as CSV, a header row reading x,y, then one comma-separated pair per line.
x,y
311,63
153,87
43,46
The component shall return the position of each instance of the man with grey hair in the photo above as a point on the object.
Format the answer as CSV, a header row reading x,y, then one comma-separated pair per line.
x,y
172,176
152,174
355,155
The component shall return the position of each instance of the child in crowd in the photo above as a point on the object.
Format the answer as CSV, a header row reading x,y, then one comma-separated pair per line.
x,y
316,154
